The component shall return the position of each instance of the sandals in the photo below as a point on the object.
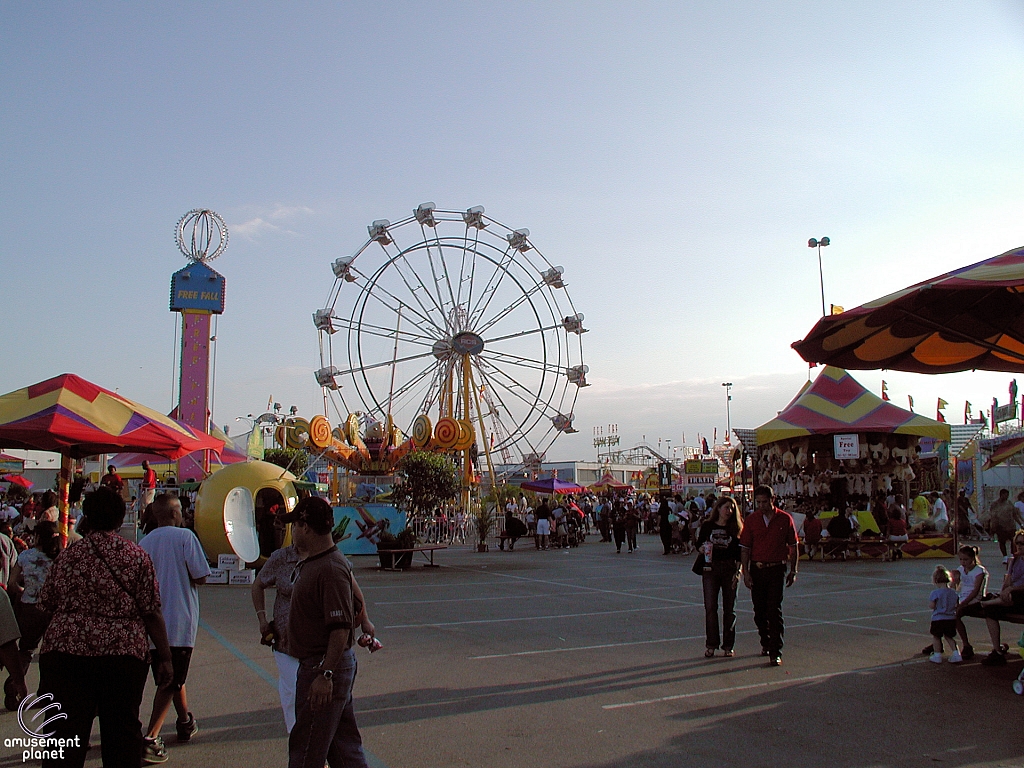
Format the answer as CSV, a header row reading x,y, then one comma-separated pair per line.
x,y
709,652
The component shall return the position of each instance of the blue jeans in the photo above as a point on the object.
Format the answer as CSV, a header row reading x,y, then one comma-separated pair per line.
x,y
329,735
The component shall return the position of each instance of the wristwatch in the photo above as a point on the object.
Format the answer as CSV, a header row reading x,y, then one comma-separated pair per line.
x,y
328,674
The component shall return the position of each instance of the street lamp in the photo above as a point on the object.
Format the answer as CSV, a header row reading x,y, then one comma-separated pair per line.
x,y
728,412
819,244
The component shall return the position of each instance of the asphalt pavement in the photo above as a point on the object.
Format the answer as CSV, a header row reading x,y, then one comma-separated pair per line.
x,y
585,657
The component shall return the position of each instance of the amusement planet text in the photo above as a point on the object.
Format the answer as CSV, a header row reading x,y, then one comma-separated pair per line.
x,y
48,748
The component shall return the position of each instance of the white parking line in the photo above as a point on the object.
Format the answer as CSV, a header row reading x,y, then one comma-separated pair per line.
x,y
791,623
766,684
538,618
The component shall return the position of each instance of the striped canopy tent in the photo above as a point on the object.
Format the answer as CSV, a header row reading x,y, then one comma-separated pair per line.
x,y
836,403
551,485
75,418
129,464
608,483
968,319
1004,451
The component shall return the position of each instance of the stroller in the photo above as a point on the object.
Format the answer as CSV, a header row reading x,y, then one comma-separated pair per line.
x,y
1018,684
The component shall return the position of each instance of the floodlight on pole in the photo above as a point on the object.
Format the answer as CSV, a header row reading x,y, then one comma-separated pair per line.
x,y
728,410
819,244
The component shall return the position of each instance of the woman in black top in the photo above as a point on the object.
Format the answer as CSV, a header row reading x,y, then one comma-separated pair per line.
x,y
619,525
664,526
722,532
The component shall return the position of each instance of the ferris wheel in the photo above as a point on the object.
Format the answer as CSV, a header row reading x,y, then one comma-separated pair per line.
x,y
451,315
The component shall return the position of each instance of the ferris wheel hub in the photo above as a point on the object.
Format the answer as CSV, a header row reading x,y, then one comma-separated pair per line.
x,y
461,344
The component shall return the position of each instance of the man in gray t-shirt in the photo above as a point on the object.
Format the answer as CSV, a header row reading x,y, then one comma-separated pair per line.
x,y
325,609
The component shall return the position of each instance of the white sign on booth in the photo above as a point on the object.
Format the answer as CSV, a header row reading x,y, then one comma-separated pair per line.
x,y
846,447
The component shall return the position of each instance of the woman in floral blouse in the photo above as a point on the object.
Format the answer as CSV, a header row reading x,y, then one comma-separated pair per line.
x,y
104,598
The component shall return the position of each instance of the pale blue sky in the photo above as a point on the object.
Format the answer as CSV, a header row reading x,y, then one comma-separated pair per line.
x,y
674,157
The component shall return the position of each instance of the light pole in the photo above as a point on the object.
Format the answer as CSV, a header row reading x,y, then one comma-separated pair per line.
x,y
819,244
728,412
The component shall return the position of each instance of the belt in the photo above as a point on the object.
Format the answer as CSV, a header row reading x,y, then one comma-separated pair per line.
x,y
769,565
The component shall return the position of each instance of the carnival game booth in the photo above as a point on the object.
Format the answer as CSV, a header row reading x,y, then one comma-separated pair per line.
x,y
837,443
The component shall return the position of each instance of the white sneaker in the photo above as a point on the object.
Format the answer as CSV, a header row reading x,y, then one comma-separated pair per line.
x,y
956,658
935,658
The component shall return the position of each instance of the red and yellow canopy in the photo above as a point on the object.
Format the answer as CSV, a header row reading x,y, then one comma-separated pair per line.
x,y
836,403
73,417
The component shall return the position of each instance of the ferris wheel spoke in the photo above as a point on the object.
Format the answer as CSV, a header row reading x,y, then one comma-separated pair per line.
x,y
510,384
444,264
495,339
412,382
370,291
462,263
385,364
520,430
411,288
523,299
435,387
384,332
523,362
491,287
421,284
472,265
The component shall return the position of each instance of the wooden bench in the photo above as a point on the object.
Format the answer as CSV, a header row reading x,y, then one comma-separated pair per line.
x,y
504,536
422,549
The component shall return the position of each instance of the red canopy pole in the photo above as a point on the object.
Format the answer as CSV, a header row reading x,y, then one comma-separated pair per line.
x,y
67,465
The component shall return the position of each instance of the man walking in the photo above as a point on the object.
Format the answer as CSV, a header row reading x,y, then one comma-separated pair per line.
x,y
180,565
1003,520
325,610
768,542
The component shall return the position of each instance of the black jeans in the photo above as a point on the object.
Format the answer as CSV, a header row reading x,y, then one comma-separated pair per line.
x,y
766,593
86,686
723,577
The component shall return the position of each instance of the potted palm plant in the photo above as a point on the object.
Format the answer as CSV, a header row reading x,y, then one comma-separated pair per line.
x,y
483,520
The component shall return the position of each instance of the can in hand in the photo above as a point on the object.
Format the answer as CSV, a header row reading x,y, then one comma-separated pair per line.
x,y
369,642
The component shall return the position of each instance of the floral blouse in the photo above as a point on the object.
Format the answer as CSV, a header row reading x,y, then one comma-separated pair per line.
x,y
93,615
277,573
34,567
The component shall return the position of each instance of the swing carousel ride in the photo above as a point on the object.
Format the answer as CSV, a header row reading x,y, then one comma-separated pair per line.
x,y
446,331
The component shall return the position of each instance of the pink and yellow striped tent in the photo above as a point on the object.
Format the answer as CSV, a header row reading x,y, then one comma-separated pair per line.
x,y
836,403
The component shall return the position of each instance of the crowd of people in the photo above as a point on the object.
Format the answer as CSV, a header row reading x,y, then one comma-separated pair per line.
x,y
104,613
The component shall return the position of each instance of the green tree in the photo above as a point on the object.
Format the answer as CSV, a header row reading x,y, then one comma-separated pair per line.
x,y
428,481
296,460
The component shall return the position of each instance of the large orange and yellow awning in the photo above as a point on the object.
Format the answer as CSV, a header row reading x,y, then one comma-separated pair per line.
x,y
971,318
836,403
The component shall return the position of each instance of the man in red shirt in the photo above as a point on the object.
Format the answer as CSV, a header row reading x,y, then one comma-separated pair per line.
x,y
767,543
113,480
147,491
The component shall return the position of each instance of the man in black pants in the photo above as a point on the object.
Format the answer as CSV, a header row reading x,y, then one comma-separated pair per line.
x,y
768,542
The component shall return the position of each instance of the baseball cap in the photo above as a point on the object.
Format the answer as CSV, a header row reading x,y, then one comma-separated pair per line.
x,y
313,511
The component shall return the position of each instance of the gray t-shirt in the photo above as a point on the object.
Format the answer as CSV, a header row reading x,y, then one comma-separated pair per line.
x,y
179,559
322,601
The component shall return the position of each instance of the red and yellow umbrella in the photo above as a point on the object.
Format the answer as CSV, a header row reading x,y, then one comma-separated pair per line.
x,y
968,319
73,417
